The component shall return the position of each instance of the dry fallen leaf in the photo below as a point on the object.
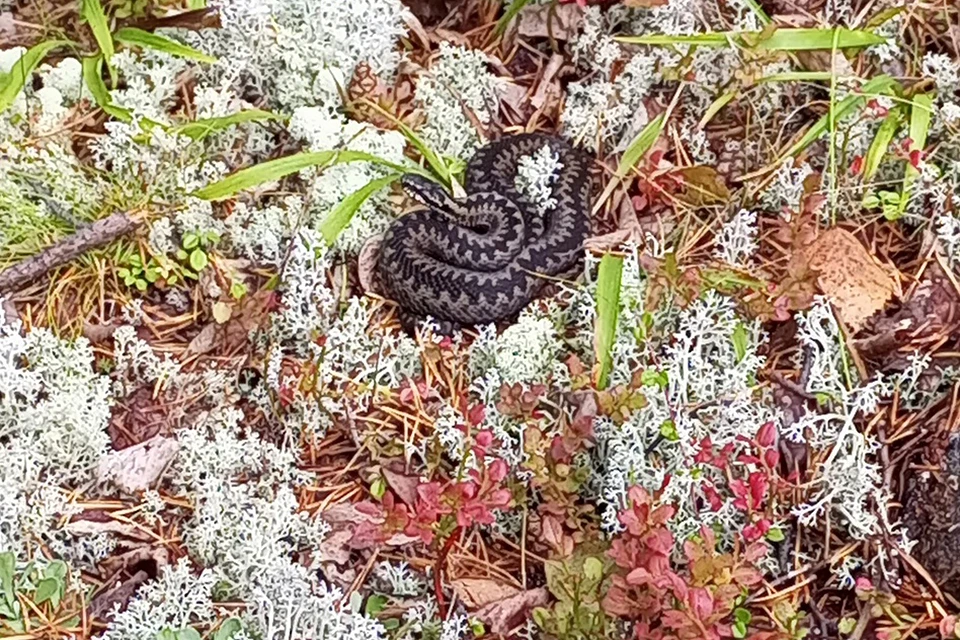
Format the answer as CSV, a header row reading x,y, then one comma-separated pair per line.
x,y
503,615
221,311
136,468
645,4
479,592
405,486
848,275
367,263
536,21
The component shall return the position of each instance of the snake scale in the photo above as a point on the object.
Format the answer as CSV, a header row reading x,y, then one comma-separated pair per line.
x,y
482,259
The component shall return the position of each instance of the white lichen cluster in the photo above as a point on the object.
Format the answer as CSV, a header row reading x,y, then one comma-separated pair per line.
x,y
536,175
54,412
456,81
737,240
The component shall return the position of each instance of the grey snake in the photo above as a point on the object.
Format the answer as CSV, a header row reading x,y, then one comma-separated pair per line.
x,y
482,259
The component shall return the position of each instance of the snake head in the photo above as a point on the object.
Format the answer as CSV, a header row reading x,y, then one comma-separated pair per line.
x,y
428,192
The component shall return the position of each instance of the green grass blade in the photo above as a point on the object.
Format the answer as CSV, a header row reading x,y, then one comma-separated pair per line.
x,y
878,85
608,313
758,11
281,167
200,129
429,155
98,88
640,145
141,38
779,40
508,15
819,39
340,217
881,142
92,13
920,115
716,105
798,76
11,84
264,172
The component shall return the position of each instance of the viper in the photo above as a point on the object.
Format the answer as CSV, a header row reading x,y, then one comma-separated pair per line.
x,y
483,258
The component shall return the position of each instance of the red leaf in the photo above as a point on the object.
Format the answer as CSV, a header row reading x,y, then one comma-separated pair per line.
x,y
767,435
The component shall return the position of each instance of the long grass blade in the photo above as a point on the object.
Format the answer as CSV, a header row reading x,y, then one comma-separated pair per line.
x,y
200,129
11,84
608,314
98,88
640,145
141,38
778,40
509,14
921,113
340,217
881,142
92,13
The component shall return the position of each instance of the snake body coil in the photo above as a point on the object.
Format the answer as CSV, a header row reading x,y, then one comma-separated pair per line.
x,y
482,260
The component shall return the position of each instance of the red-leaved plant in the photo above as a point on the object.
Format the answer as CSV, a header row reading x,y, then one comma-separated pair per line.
x,y
670,601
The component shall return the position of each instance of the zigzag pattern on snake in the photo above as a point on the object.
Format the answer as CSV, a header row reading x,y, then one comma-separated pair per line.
x,y
482,259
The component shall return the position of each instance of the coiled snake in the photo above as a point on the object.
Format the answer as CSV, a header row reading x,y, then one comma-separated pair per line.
x,y
482,259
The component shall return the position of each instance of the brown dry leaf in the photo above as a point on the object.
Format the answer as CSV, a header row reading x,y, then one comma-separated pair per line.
x,y
536,21
136,468
645,4
221,311
628,230
93,527
479,592
117,594
548,89
702,186
367,264
504,615
405,486
848,275
203,342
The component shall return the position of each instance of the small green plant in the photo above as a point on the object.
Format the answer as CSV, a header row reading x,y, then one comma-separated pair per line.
x,y
44,584
194,251
577,584
887,201
157,269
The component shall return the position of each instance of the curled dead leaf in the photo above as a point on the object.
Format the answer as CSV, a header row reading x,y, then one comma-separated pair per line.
x,y
848,275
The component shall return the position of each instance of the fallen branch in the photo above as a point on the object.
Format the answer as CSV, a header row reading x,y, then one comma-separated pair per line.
x,y
100,233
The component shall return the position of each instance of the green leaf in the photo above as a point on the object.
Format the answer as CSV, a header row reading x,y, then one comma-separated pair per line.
x,y
12,83
739,630
92,13
593,569
47,589
198,260
229,628
740,338
276,169
775,534
141,38
166,634
237,290
190,241
337,220
188,633
669,431
742,615
921,111
508,15
375,604
779,40
98,88
608,313
640,145
200,129
141,284
878,85
56,569
378,488
716,106
8,566
881,142
123,272
847,625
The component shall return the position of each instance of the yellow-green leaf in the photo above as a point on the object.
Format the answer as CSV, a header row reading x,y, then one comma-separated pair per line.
x,y
98,88
881,142
11,84
281,167
340,217
92,12
640,145
141,38
200,129
778,40
608,313
921,112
